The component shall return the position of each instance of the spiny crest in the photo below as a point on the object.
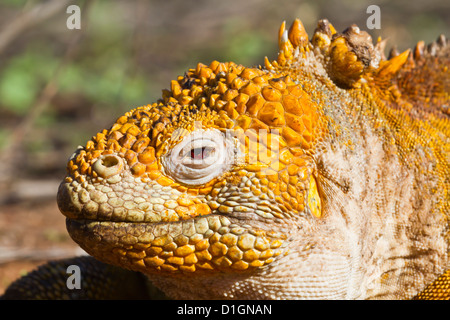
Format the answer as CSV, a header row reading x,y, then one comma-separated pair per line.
x,y
349,57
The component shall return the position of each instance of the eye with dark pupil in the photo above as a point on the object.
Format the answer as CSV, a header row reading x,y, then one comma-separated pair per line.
x,y
199,153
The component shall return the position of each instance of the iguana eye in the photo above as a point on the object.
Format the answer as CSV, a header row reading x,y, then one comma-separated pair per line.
x,y
201,153
199,157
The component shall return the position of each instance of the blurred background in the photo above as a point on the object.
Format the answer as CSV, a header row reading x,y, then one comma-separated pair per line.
x,y
59,87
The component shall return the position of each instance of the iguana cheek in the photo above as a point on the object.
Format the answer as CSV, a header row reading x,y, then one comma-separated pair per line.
x,y
202,245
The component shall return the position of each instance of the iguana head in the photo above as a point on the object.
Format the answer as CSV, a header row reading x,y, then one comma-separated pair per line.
x,y
221,174
221,159
212,177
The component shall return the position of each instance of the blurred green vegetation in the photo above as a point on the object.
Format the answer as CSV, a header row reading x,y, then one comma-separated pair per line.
x,y
130,50
22,78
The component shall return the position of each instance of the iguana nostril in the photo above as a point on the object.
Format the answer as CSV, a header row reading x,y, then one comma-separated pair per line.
x,y
108,165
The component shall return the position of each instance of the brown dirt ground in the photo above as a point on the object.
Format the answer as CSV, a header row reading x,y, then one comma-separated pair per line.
x,y
33,233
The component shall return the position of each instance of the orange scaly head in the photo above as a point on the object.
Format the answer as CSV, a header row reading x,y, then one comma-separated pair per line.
x,y
224,143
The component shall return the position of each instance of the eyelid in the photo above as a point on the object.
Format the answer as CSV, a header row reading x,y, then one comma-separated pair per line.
x,y
197,143
204,151
187,159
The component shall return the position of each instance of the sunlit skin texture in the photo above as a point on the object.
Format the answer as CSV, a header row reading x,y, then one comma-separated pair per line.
x,y
336,185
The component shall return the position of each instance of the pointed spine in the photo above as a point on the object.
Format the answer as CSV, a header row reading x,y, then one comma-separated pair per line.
x,y
392,66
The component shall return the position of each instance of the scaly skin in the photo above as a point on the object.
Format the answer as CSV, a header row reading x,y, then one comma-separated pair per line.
x,y
323,174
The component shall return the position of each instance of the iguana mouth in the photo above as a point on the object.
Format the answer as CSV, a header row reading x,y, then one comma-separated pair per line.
x,y
202,245
162,241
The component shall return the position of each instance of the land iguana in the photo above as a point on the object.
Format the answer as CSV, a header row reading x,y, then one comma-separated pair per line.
x,y
323,174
